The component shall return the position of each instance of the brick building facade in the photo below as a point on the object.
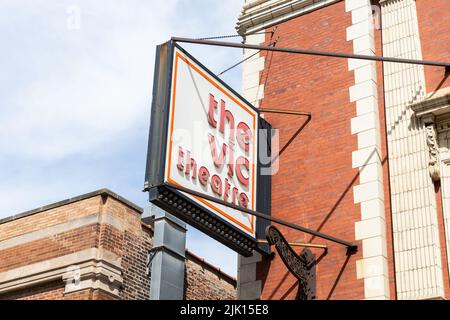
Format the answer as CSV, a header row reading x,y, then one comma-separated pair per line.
x,y
94,246
373,165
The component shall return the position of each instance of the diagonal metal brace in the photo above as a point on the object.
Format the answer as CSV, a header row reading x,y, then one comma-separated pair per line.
x,y
351,247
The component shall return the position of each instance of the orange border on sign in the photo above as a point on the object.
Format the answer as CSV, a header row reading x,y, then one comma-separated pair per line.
x,y
178,55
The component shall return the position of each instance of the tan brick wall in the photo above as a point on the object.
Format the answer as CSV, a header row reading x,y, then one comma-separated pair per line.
x,y
50,218
50,247
123,236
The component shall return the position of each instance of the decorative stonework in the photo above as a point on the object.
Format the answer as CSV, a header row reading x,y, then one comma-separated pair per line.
x,y
412,146
260,14
435,105
434,112
88,269
433,150
445,183
371,229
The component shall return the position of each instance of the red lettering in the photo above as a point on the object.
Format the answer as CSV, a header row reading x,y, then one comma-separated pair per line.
x,y
239,162
234,195
227,189
218,159
180,165
243,200
191,163
230,161
226,114
203,176
212,107
216,185
243,135
221,188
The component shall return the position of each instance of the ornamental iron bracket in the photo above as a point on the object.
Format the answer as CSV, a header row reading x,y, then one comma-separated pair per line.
x,y
302,266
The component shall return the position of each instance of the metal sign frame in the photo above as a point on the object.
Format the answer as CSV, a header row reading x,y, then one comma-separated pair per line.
x,y
302,266
177,202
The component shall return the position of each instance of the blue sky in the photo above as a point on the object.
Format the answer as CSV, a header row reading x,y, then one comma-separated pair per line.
x,y
75,95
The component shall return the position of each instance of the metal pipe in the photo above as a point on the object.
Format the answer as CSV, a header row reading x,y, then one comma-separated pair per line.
x,y
297,113
299,244
312,52
351,247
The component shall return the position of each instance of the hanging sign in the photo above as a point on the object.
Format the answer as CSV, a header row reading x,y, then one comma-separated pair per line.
x,y
205,137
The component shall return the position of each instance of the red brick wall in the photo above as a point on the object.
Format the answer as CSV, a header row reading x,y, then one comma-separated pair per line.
x,y
48,291
314,186
79,295
204,283
434,27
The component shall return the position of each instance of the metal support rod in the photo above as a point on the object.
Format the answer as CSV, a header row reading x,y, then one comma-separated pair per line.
x,y
289,112
299,244
351,247
312,52
293,136
297,113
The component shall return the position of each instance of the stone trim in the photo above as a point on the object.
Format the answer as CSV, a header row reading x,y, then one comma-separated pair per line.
x,y
445,170
371,229
418,263
434,112
248,288
252,90
261,14
88,269
437,104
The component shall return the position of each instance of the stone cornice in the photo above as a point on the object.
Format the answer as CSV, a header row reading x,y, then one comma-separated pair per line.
x,y
386,2
436,104
262,14
89,269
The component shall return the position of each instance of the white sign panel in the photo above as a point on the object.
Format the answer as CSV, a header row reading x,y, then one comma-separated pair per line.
x,y
212,142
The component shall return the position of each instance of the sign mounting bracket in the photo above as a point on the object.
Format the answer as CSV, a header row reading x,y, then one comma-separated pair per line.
x,y
351,247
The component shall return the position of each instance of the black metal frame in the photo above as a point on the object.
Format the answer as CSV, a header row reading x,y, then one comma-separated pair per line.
x,y
446,65
351,247
171,198
173,201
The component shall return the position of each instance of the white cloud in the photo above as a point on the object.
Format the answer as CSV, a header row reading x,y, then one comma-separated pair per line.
x,y
75,103
93,85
